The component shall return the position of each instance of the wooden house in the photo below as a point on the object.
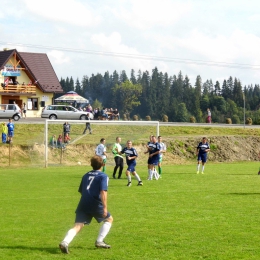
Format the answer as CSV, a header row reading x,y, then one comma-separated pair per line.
x,y
27,78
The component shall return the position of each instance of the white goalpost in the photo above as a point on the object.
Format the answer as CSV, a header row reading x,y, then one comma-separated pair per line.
x,y
100,129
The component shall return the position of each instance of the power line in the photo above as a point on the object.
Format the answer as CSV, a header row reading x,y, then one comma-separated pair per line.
x,y
141,57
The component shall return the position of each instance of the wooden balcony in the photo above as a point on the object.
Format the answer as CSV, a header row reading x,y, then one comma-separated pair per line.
x,y
16,90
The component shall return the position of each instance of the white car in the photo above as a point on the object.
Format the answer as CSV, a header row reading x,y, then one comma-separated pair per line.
x,y
10,111
64,112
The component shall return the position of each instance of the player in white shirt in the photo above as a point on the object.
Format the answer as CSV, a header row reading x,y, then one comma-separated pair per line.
x,y
162,151
101,151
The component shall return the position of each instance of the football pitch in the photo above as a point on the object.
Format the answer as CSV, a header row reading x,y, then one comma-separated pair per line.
x,y
183,215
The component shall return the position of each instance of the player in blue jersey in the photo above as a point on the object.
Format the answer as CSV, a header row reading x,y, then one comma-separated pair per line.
x,y
154,157
202,150
92,204
10,127
131,155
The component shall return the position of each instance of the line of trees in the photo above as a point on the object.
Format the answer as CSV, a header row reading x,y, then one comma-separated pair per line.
x,y
158,94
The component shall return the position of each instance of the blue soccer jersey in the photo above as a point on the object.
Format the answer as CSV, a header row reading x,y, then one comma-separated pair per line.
x,y
154,147
129,152
91,184
202,147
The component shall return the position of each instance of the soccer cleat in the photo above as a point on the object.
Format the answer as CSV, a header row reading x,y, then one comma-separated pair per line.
x,y
102,245
202,172
129,184
114,177
198,172
140,183
64,248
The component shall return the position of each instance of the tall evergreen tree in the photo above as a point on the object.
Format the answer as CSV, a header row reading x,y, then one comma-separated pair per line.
x,y
132,78
78,87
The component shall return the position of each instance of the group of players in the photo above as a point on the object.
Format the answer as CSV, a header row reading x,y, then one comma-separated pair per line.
x,y
155,151
94,184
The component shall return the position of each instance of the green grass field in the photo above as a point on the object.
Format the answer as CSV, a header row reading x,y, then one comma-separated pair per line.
x,y
181,216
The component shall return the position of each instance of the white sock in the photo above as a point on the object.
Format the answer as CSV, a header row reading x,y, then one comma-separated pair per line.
x,y
155,174
129,178
198,167
137,176
103,231
150,174
69,236
202,168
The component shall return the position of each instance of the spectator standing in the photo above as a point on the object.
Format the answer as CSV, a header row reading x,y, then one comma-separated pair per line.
x,y
96,113
24,110
101,151
209,116
66,128
117,148
4,132
88,127
104,113
10,127
92,204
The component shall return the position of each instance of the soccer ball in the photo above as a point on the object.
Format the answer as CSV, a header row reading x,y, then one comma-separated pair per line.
x,y
79,163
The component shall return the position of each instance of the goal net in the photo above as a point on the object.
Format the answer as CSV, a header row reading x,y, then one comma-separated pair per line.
x,y
82,146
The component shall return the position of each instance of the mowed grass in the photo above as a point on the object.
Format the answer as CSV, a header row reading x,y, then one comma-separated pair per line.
x,y
181,216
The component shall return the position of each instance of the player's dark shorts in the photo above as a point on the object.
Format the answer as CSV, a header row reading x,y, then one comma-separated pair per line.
x,y
202,157
154,160
149,160
86,217
10,133
131,166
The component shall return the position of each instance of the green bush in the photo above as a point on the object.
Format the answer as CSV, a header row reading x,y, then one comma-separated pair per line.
x,y
192,119
249,121
135,118
228,121
165,118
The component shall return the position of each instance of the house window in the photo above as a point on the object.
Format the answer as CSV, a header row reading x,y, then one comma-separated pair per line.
x,y
32,104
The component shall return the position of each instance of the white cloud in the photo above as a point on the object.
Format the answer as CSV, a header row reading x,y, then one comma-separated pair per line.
x,y
132,60
144,14
58,57
66,11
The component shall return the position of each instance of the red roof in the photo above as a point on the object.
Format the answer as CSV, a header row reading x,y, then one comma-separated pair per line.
x,y
37,67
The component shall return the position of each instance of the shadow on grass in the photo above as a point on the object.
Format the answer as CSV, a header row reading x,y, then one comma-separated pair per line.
x,y
50,250
243,193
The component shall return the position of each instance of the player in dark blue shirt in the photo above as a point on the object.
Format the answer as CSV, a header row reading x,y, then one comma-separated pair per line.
x,y
92,204
154,156
10,127
202,150
131,155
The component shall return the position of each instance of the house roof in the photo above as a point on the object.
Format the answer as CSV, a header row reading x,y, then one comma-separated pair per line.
x,y
38,68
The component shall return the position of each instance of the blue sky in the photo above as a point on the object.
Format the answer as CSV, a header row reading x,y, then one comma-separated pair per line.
x,y
213,31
